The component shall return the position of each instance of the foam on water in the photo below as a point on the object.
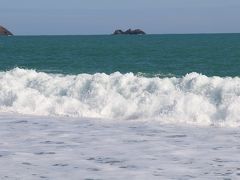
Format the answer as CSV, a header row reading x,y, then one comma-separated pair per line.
x,y
194,98
34,147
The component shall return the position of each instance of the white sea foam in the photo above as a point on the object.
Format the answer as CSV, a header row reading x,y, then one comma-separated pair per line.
x,y
35,147
194,98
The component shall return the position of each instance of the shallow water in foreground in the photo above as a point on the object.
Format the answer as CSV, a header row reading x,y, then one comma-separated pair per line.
x,y
66,148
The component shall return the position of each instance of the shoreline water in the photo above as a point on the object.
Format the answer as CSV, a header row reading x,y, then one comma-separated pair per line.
x,y
56,148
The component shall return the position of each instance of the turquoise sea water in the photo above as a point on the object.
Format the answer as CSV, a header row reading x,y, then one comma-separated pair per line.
x,y
161,55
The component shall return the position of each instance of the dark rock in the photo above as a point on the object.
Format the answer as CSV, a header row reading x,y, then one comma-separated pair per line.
x,y
4,32
118,31
129,32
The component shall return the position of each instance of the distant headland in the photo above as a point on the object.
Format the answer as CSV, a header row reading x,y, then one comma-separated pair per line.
x,y
129,32
4,31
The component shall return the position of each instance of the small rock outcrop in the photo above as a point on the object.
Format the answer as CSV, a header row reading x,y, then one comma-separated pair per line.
x,y
129,32
119,31
4,32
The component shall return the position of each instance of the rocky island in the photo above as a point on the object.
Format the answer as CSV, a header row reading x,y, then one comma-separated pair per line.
x,y
4,32
129,32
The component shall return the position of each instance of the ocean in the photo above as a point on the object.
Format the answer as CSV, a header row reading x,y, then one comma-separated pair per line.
x,y
152,55
115,107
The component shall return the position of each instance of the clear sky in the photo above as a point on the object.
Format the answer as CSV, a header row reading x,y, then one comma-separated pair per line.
x,y
46,17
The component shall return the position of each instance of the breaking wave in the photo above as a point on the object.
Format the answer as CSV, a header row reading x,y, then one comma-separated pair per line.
x,y
194,98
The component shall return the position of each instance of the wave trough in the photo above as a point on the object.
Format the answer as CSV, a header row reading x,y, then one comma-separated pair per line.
x,y
194,98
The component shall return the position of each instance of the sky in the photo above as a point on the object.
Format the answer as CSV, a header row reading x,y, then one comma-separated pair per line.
x,y
71,17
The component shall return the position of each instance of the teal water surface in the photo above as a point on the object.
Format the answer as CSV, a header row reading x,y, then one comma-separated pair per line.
x,y
167,55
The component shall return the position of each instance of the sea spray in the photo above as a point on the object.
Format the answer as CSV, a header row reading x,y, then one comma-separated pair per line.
x,y
193,98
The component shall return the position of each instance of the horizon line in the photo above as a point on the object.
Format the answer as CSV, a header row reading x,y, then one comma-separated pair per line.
x,y
200,33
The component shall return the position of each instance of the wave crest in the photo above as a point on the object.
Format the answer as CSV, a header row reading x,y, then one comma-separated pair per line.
x,y
194,98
